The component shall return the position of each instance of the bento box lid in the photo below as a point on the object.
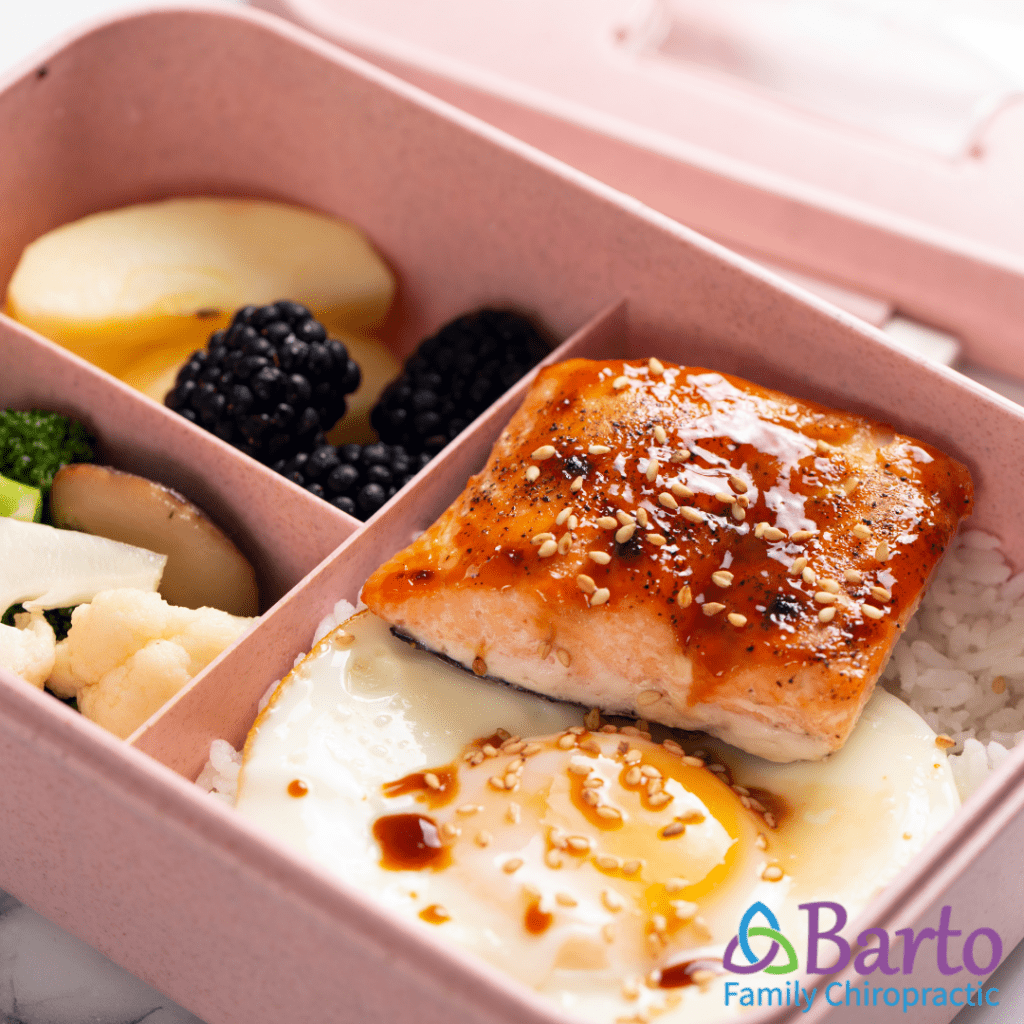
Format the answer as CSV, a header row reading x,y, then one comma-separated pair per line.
x,y
868,147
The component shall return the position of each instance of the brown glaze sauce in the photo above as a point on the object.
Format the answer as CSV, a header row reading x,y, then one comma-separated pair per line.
x,y
435,914
909,493
680,975
410,842
416,782
535,920
297,788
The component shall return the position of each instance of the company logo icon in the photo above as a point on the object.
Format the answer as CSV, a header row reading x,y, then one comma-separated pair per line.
x,y
741,941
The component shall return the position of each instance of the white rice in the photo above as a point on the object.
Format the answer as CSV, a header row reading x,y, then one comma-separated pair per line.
x,y
959,665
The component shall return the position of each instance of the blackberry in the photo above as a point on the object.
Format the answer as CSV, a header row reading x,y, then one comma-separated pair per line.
x,y
357,478
454,376
271,383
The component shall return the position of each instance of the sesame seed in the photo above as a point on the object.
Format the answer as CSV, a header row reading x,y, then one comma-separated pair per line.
x,y
738,512
607,862
645,698
999,684
736,619
713,608
722,578
657,539
547,549
607,812
620,382
611,899
862,531
476,759
450,831
660,799
827,614
944,742
823,447
654,365
774,533
512,865
653,466
576,485
824,597
560,518
566,741
586,583
674,828
576,730
882,552
772,873
632,776
496,782
756,805
685,598
761,842
608,523
624,518
553,859
759,529
579,766
598,449
469,809
483,838
881,594
513,747
798,566
342,640
601,557
479,666
512,813
545,451
682,456
539,538
693,514
672,747
544,650
432,780
659,434
852,576
799,536
593,782
667,500
623,533
850,484
563,899
871,612
725,497
832,586
578,844
532,472
742,790
681,491
769,819
600,596
809,576
564,543
684,909
641,517
573,522
658,923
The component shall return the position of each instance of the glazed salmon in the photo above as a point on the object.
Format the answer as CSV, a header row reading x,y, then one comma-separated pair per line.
x,y
687,547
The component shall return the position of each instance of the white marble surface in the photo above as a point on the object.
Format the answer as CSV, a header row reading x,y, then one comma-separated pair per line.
x,y
50,977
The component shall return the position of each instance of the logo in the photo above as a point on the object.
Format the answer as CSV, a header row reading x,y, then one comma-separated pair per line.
x,y
874,951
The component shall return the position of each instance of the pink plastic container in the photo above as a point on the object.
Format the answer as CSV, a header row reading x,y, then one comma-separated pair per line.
x,y
111,840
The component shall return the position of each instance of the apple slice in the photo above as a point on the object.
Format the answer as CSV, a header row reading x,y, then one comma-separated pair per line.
x,y
115,285
204,568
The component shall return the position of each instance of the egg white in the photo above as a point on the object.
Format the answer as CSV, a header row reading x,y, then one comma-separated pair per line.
x,y
365,709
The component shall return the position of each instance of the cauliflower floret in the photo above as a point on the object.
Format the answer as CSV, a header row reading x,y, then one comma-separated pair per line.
x,y
27,648
129,652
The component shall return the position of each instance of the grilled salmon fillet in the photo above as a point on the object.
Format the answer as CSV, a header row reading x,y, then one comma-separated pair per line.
x,y
687,547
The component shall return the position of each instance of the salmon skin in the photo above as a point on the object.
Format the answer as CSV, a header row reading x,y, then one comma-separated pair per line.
x,y
687,547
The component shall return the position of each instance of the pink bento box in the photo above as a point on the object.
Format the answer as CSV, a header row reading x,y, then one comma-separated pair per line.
x,y
110,839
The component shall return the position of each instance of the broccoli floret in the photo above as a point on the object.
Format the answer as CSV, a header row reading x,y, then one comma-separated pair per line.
x,y
34,445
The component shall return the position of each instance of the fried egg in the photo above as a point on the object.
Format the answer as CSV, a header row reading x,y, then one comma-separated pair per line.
x,y
586,859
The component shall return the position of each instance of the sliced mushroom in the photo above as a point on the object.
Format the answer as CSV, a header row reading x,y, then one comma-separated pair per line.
x,y
204,568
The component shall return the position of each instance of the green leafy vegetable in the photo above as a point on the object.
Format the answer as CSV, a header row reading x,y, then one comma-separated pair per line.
x,y
58,618
34,445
